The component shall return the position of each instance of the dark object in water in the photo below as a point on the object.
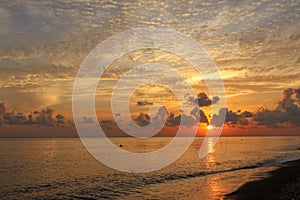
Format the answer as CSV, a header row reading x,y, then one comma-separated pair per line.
x,y
121,145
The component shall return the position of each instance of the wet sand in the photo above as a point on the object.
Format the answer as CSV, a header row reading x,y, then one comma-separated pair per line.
x,y
283,183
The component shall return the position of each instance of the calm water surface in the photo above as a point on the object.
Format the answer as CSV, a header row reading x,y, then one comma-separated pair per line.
x,y
63,169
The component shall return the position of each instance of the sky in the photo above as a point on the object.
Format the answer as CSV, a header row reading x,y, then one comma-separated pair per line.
x,y
254,44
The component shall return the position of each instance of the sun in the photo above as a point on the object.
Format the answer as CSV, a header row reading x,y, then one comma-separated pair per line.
x,y
210,127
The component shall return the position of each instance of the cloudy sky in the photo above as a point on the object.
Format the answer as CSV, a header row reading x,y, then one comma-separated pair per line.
x,y
255,45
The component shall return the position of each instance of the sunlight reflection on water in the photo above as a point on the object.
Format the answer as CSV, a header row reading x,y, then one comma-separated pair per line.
x,y
52,168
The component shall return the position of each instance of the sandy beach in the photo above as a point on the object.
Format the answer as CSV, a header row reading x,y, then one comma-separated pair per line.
x,y
283,183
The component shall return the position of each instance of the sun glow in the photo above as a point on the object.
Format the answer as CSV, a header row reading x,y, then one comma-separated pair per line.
x,y
210,127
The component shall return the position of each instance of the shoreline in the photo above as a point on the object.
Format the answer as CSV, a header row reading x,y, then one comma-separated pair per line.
x,y
282,183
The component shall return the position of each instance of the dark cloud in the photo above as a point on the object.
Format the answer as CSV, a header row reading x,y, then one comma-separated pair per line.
x,y
186,120
143,119
2,112
203,117
297,92
218,120
287,111
290,97
143,103
107,124
203,100
270,118
199,115
160,117
244,121
196,116
231,118
87,120
45,117
173,120
60,119
247,114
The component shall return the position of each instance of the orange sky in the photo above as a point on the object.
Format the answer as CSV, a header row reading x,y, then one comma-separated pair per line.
x,y
255,46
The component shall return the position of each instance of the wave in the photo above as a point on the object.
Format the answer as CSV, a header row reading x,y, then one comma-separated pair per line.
x,y
118,185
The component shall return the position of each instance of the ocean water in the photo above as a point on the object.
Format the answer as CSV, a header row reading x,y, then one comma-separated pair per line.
x,y
63,169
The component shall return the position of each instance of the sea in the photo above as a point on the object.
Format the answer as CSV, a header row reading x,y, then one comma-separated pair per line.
x,y
57,168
